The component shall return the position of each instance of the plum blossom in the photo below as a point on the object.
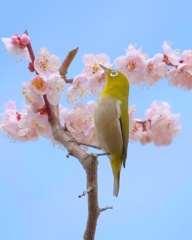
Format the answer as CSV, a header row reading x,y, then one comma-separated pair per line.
x,y
32,98
92,62
135,129
132,110
155,69
40,123
170,56
94,73
46,63
25,125
78,89
13,124
50,86
16,45
39,85
161,124
56,85
79,123
132,64
182,75
91,80
96,85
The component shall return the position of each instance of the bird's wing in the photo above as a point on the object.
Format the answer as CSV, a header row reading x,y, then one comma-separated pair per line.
x,y
125,131
124,144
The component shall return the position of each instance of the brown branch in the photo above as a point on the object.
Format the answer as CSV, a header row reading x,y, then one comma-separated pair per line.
x,y
69,80
30,49
49,109
88,161
93,207
66,63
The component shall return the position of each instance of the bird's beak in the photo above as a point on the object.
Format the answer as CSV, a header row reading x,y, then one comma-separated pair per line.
x,y
104,68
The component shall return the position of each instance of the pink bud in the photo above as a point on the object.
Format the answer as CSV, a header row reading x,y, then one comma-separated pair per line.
x,y
31,67
15,39
25,39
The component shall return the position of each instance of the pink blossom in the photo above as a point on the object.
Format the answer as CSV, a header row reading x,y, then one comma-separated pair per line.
x,y
132,64
56,85
96,85
16,45
39,85
92,63
50,86
25,40
31,67
92,79
132,110
78,89
25,125
182,75
79,123
135,129
30,96
161,124
63,113
180,78
155,69
40,123
170,56
46,63
13,126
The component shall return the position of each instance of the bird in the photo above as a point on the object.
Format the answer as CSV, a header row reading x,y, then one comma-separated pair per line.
x,y
111,121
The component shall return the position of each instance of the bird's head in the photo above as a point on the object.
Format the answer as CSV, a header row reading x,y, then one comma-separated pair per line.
x,y
110,72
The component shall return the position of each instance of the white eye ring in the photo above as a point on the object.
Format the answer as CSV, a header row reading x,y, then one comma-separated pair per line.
x,y
113,73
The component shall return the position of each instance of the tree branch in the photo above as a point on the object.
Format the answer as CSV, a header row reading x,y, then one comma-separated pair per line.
x,y
93,207
66,63
88,161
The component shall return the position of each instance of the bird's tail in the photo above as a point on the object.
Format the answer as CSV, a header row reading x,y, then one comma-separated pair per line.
x,y
116,185
116,167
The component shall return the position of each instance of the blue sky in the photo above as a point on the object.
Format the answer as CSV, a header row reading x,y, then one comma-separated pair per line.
x,y
39,186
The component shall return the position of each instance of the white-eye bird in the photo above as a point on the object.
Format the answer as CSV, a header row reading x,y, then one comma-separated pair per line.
x,y
112,122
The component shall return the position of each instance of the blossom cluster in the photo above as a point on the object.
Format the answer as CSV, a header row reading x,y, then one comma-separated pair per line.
x,y
17,45
160,125
137,67
79,123
171,65
24,125
47,82
92,79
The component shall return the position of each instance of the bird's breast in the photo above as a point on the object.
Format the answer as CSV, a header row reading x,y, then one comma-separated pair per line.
x,y
107,124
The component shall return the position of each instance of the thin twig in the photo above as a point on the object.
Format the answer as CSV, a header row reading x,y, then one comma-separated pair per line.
x,y
89,145
30,49
105,208
100,154
69,80
66,63
85,192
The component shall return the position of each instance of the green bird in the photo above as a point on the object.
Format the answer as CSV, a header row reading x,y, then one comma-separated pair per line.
x,y
112,121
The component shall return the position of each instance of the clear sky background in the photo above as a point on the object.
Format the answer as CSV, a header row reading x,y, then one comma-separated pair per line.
x,y
39,186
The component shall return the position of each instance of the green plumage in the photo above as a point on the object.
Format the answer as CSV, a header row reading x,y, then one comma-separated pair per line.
x,y
112,123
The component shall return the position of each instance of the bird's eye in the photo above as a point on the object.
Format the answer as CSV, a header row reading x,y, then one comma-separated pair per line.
x,y
113,73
